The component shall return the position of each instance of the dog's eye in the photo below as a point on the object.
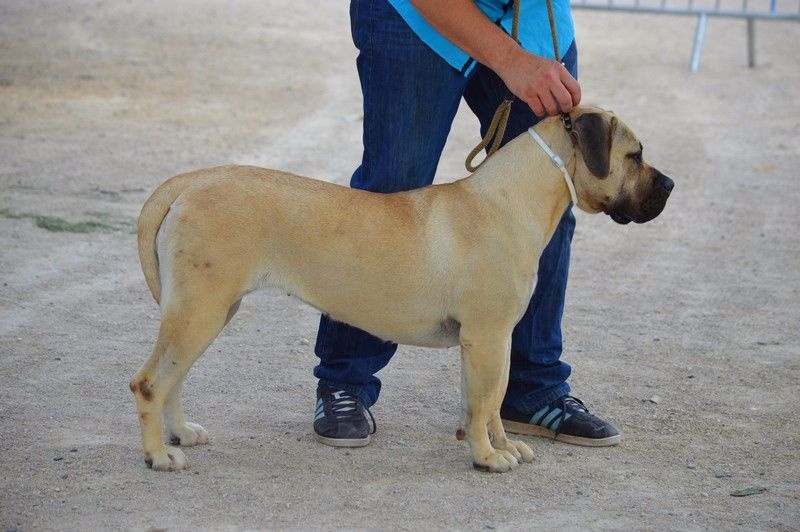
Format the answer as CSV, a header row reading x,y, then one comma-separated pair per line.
x,y
636,157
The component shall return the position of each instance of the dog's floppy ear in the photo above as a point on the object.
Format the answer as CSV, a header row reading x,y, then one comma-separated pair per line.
x,y
593,132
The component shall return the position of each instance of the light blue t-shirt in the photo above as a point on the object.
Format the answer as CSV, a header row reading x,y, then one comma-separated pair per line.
x,y
534,28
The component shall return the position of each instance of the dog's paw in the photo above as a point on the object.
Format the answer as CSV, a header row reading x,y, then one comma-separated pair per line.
x,y
498,461
188,435
520,450
166,459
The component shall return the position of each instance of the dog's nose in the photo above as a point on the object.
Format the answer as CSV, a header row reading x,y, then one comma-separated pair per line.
x,y
668,184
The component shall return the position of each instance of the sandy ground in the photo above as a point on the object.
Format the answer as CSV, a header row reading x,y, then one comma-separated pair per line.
x,y
698,311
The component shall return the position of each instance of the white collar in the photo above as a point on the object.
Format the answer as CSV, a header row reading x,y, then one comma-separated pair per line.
x,y
556,160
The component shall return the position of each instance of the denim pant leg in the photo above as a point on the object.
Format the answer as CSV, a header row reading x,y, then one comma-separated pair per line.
x,y
537,374
410,98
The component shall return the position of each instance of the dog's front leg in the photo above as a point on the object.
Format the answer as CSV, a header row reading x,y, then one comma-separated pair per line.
x,y
500,441
497,434
484,357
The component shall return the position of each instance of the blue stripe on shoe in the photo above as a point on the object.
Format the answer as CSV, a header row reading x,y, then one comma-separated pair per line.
x,y
557,422
538,415
550,417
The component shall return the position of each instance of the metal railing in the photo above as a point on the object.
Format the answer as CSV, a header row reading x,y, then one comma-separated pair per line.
x,y
786,10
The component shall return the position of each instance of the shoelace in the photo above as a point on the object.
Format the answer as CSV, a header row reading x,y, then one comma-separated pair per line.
x,y
563,406
346,407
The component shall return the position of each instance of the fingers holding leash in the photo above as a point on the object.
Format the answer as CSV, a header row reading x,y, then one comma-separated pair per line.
x,y
554,91
544,84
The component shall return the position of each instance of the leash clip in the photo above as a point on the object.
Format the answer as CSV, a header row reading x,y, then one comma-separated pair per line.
x,y
567,121
565,118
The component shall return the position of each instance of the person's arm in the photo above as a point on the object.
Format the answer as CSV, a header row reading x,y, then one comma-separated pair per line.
x,y
544,84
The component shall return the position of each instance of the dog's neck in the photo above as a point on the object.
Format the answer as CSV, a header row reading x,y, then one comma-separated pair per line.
x,y
540,194
557,162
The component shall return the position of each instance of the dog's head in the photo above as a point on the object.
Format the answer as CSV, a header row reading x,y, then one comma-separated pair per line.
x,y
610,174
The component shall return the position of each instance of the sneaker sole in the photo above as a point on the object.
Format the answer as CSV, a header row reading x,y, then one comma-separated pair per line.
x,y
528,429
342,442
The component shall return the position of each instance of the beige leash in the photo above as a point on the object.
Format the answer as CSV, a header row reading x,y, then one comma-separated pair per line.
x,y
497,127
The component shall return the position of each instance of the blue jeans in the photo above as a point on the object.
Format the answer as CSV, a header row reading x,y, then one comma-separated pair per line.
x,y
410,99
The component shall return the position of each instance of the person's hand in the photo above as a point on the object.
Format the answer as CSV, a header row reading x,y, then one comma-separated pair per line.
x,y
544,84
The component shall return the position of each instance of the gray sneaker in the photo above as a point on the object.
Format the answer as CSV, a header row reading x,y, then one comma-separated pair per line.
x,y
566,419
340,419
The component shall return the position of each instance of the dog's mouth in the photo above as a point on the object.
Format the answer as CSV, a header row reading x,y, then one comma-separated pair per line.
x,y
620,218
649,208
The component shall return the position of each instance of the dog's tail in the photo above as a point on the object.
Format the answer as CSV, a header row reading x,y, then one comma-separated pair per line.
x,y
154,211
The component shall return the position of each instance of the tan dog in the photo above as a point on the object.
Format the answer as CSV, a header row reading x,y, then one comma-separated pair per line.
x,y
438,266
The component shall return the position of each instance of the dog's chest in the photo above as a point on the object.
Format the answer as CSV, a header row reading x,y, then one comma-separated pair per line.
x,y
445,334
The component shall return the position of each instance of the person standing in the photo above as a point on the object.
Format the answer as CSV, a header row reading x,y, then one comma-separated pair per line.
x,y
417,60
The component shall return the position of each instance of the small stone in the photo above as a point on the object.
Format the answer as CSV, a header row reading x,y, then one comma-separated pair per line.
x,y
58,489
755,490
74,450
655,399
304,341
691,465
64,476
719,473
704,494
779,505
57,458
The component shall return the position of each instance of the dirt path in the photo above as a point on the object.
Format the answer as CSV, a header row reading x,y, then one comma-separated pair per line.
x,y
684,332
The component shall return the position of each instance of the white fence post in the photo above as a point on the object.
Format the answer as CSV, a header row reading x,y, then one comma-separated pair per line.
x,y
699,34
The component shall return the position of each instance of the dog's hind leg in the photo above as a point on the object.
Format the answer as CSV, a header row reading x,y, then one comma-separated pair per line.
x,y
187,328
180,431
